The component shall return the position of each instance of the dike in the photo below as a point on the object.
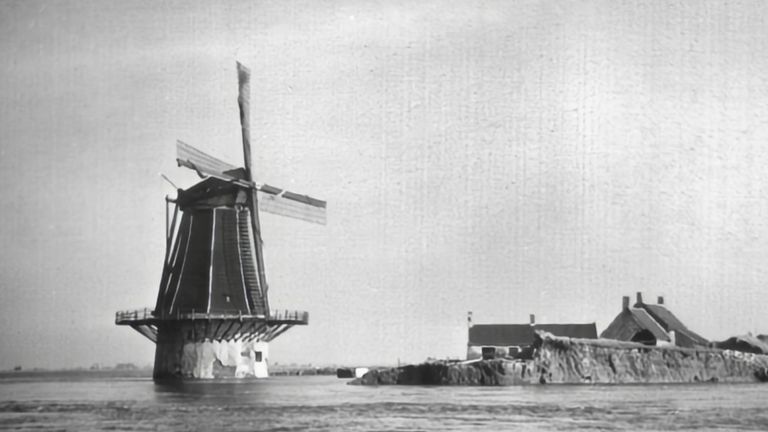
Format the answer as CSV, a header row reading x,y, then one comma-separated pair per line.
x,y
602,361
477,373
559,360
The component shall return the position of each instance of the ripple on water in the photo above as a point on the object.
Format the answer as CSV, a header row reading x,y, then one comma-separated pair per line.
x,y
327,404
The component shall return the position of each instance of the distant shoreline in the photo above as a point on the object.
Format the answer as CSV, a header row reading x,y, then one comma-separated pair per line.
x,y
61,373
146,372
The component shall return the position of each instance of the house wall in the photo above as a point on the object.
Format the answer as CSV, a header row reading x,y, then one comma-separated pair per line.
x,y
476,351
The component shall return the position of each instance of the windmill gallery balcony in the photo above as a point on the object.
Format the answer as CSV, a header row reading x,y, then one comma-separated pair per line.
x,y
146,316
218,326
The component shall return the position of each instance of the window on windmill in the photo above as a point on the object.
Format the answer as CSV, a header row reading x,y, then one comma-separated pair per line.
x,y
227,298
257,355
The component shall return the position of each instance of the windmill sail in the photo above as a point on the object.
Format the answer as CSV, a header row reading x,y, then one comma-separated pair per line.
x,y
205,164
293,205
270,199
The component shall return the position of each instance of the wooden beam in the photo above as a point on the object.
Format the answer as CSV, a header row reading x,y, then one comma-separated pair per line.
x,y
147,331
256,332
282,329
216,333
225,335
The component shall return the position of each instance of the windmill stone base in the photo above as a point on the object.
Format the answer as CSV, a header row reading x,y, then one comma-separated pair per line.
x,y
179,353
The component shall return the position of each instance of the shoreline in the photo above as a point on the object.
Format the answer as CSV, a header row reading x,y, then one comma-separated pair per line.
x,y
562,360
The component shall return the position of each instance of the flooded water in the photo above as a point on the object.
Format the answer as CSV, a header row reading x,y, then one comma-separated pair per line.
x,y
96,402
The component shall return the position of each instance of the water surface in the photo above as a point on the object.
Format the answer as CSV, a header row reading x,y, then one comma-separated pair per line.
x,y
96,402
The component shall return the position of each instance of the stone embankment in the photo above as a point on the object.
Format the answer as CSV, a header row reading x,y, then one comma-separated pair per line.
x,y
484,373
560,360
564,360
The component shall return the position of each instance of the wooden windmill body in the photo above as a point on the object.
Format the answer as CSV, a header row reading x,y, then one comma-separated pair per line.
x,y
212,317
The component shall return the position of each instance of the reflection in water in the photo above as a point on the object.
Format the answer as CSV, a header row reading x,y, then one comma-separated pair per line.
x,y
209,388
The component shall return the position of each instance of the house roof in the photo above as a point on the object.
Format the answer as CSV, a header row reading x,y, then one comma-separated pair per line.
x,y
669,322
523,334
500,334
582,331
648,323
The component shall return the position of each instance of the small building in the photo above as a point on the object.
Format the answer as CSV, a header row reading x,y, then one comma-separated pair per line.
x,y
489,341
651,324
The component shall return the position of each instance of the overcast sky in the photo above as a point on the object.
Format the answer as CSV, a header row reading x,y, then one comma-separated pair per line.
x,y
504,157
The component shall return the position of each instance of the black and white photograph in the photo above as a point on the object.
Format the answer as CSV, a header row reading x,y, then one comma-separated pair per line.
x,y
369,215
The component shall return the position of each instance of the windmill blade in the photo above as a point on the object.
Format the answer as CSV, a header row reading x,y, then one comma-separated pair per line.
x,y
281,202
244,103
208,166
205,164
284,207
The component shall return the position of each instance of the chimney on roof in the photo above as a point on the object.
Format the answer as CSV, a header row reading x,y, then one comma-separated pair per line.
x,y
660,300
533,319
625,303
469,319
639,297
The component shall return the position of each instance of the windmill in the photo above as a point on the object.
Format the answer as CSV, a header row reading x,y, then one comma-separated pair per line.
x,y
212,317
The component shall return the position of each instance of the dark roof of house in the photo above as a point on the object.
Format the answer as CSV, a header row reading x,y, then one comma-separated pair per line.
x,y
500,334
523,334
582,331
670,322
648,323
